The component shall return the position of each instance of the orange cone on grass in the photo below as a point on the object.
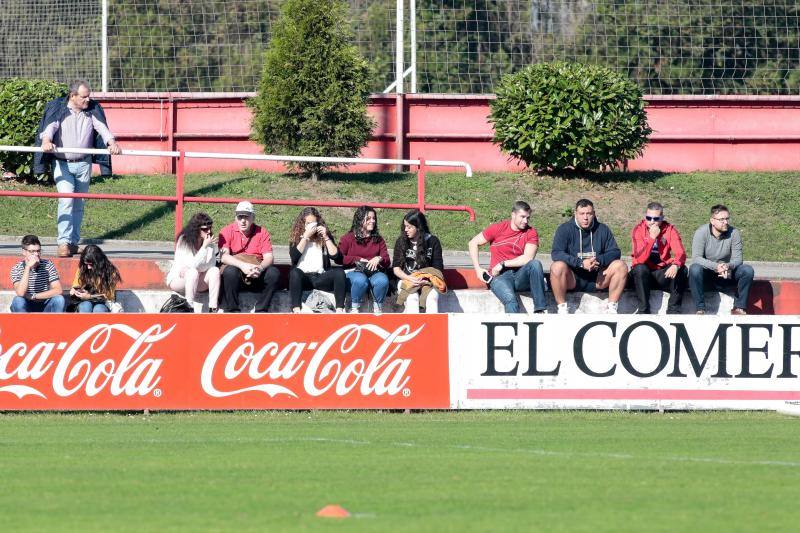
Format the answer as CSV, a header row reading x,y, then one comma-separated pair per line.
x,y
333,511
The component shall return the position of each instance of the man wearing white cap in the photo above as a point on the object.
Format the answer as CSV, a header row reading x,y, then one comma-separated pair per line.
x,y
246,253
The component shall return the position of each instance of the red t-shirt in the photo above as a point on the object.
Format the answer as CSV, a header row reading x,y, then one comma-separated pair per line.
x,y
506,243
257,243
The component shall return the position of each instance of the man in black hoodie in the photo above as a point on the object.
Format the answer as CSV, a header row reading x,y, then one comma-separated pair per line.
x,y
586,258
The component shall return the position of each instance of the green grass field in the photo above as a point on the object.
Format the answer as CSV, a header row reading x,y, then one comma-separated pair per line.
x,y
431,471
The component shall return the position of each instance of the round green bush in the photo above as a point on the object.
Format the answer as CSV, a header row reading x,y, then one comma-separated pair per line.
x,y
558,116
21,108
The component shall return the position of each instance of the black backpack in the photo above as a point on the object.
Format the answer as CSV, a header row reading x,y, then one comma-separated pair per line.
x,y
176,304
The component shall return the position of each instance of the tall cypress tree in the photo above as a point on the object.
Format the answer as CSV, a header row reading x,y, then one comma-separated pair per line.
x,y
312,97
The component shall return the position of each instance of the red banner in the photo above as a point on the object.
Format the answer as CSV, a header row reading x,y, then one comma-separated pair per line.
x,y
246,361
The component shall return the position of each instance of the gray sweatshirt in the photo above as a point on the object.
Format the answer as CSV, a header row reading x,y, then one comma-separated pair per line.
x,y
709,251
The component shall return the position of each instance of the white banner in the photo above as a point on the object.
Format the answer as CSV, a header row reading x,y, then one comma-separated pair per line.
x,y
624,361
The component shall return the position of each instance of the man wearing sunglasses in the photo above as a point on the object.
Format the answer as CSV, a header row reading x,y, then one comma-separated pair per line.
x,y
717,261
37,288
659,258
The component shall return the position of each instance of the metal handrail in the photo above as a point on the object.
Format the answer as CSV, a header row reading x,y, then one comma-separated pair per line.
x,y
180,198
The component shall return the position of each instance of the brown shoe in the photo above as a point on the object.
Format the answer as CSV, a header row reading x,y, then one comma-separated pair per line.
x,y
73,249
64,250
738,311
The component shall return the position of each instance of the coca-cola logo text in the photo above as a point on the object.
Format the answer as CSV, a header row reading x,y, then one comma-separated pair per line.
x,y
75,366
337,364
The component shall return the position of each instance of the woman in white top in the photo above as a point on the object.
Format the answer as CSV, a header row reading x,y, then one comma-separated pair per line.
x,y
311,249
194,269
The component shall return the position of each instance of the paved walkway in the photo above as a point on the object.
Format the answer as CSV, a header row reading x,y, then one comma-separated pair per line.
x,y
163,250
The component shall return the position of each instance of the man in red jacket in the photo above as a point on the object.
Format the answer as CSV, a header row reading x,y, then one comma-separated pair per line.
x,y
658,258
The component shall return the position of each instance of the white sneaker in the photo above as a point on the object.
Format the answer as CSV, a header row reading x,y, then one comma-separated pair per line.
x,y
611,308
355,308
377,308
563,309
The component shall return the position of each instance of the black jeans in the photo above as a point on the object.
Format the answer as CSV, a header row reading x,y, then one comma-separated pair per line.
x,y
333,279
644,278
233,284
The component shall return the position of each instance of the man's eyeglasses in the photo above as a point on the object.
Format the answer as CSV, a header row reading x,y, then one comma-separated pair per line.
x,y
242,217
33,250
653,219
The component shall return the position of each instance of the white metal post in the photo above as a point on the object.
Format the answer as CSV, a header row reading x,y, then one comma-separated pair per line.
x,y
413,30
104,74
398,55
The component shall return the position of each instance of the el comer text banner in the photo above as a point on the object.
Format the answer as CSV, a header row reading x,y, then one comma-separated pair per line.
x,y
624,361
397,361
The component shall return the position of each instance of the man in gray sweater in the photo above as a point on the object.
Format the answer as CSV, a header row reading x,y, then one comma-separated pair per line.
x,y
717,261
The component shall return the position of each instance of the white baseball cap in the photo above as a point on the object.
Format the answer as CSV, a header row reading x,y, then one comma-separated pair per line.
x,y
245,208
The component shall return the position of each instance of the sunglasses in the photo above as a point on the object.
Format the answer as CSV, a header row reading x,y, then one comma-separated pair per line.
x,y
653,219
242,217
205,228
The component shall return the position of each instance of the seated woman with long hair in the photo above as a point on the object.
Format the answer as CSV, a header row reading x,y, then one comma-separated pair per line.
x,y
311,249
365,257
416,250
194,269
95,282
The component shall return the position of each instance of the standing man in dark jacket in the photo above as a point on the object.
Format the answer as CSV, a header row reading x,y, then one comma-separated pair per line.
x,y
586,258
72,122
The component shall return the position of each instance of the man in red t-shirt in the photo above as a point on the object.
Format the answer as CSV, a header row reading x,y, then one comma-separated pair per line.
x,y
246,249
512,265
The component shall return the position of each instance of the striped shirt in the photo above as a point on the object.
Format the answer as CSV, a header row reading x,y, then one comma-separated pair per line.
x,y
39,278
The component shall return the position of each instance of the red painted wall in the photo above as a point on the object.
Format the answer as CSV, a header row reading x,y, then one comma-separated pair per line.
x,y
690,133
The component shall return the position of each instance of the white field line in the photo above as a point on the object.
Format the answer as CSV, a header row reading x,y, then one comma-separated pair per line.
x,y
547,453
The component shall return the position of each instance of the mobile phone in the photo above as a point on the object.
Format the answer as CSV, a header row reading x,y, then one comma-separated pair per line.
x,y
487,277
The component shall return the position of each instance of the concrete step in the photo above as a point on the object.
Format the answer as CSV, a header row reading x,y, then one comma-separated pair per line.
x,y
456,301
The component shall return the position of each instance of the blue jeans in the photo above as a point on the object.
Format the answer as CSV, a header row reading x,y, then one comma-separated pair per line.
x,y
701,279
71,177
359,283
92,307
527,278
55,304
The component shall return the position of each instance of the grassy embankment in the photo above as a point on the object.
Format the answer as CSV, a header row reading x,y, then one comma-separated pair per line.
x,y
762,204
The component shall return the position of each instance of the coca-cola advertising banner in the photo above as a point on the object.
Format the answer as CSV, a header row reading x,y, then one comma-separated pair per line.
x,y
624,361
248,361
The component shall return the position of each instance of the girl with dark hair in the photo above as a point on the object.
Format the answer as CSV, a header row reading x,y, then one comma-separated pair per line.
x,y
365,258
417,250
311,249
95,282
194,269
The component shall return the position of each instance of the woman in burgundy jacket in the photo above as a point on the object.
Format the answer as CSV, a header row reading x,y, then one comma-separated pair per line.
x,y
365,259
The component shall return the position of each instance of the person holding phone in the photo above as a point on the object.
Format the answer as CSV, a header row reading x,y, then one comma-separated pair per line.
x,y
95,284
513,266
194,269
312,248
